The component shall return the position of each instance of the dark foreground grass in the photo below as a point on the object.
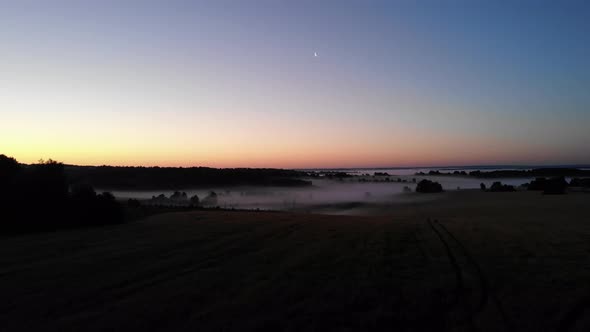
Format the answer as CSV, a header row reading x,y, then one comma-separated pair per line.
x,y
468,261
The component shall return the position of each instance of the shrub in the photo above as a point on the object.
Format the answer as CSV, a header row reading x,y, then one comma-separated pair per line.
x,y
427,186
537,184
555,186
499,187
109,211
82,192
133,203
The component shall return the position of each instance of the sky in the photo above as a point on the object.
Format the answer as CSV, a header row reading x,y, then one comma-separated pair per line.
x,y
295,84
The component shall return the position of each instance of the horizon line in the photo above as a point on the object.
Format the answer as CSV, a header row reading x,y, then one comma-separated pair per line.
x,y
449,167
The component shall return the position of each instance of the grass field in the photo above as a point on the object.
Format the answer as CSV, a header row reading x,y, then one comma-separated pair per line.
x,y
464,261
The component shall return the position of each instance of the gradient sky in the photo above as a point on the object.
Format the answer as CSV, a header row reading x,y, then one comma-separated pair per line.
x,y
236,83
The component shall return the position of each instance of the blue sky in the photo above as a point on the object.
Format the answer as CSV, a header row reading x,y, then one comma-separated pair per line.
x,y
236,83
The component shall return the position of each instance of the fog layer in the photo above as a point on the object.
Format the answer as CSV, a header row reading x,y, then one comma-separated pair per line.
x,y
324,193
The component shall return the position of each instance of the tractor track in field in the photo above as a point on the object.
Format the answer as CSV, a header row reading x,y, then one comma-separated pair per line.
x,y
487,294
459,283
574,314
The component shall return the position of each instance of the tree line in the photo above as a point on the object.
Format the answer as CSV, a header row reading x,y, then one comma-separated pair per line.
x,y
114,177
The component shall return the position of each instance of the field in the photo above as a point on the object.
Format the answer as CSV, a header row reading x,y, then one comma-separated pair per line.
x,y
460,261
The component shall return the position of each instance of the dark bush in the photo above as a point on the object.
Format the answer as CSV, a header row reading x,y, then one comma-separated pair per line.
x,y
555,186
427,186
133,203
499,187
108,210
482,186
537,184
82,192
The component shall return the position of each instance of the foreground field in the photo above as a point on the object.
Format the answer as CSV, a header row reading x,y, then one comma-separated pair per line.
x,y
465,261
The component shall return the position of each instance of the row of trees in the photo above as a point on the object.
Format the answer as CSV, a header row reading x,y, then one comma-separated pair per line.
x,y
511,173
39,197
177,177
180,199
536,173
554,185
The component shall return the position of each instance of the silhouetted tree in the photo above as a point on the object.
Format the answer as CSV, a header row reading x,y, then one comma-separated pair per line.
x,y
47,179
194,200
555,186
499,187
40,199
109,210
9,171
44,185
133,203
427,186
9,167
82,192
179,196
482,186
210,200
537,184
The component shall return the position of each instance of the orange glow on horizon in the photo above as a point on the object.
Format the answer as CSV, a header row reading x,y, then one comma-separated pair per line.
x,y
295,156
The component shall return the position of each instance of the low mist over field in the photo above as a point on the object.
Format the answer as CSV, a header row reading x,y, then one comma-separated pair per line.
x,y
345,193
